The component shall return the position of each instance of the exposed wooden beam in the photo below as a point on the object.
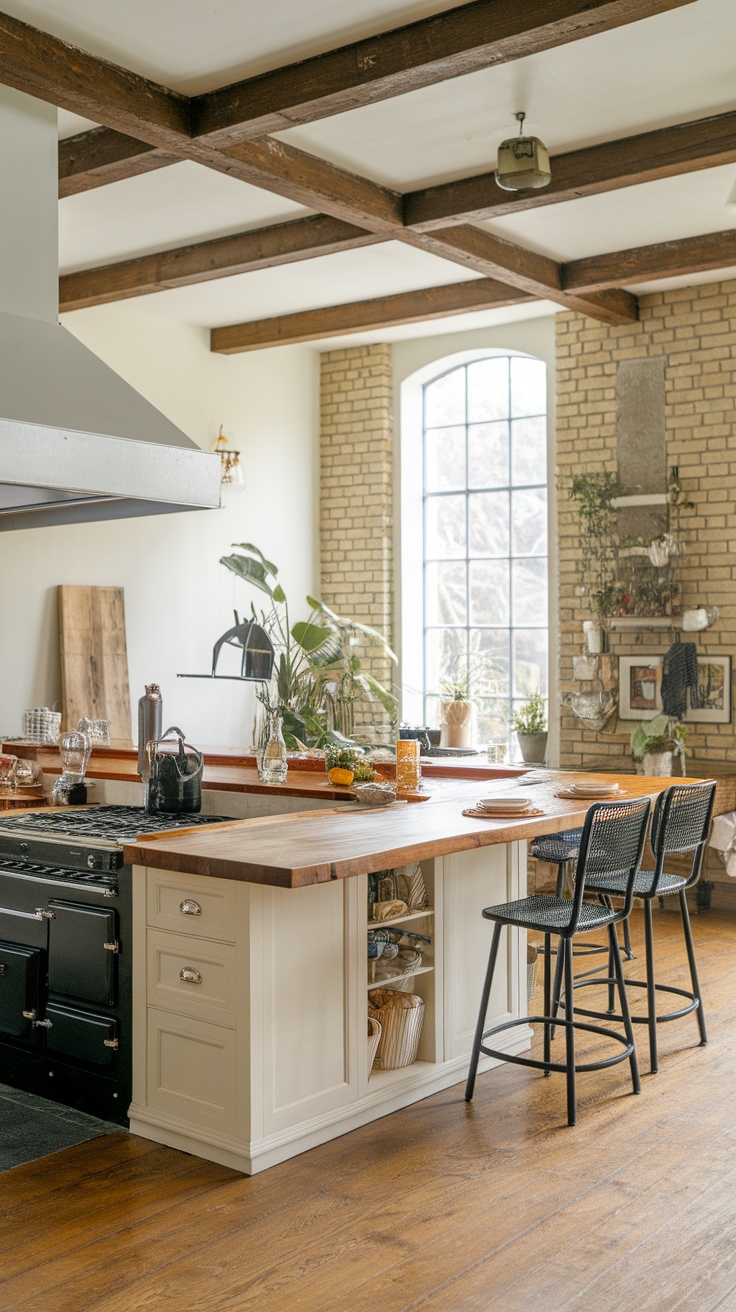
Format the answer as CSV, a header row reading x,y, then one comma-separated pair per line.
x,y
664,153
448,45
262,248
667,259
364,316
100,156
530,272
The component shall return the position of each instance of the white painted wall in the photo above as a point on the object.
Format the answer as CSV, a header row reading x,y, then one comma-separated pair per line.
x,y
412,365
178,597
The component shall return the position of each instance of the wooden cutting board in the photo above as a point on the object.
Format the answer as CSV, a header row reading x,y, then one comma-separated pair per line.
x,y
94,658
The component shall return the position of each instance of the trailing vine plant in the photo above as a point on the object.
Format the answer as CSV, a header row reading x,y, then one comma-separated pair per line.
x,y
599,539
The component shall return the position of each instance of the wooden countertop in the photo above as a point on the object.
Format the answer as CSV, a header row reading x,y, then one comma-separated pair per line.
x,y
230,773
315,847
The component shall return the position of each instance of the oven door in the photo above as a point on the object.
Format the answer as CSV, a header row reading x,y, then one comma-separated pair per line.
x,y
81,1034
20,982
83,948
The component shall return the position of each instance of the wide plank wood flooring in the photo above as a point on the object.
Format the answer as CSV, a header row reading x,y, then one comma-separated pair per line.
x,y
438,1208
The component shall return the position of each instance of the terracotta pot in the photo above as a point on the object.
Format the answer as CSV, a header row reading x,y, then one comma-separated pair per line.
x,y
458,719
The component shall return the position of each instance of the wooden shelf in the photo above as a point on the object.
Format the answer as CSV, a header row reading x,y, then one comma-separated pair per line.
x,y
399,920
645,622
405,974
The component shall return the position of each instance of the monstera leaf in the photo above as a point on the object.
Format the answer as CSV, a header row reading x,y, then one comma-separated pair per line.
x,y
254,568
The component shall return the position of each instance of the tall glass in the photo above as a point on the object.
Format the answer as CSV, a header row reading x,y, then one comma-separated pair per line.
x,y
408,766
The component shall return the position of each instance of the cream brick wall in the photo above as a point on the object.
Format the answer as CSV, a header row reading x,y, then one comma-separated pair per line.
x,y
356,510
695,330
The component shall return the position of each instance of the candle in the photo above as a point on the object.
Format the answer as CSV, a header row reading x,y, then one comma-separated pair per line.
x,y
408,766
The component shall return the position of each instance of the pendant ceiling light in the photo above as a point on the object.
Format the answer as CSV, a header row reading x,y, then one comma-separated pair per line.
x,y
523,162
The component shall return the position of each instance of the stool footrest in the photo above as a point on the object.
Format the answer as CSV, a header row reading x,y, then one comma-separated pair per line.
x,y
693,1002
534,1062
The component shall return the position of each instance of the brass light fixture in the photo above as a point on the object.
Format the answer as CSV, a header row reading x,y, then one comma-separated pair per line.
x,y
523,162
232,471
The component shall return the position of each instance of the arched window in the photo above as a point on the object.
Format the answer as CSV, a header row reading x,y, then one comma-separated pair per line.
x,y
485,617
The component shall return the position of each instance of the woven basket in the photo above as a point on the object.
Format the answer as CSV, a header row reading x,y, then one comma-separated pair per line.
x,y
374,1038
400,1016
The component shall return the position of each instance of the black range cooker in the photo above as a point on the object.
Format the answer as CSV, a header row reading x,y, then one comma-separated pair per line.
x,y
66,953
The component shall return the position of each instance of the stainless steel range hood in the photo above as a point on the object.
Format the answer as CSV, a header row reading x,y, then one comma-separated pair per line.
x,y
77,443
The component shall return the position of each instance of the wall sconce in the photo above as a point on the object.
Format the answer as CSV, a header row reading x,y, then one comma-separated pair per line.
x,y
231,468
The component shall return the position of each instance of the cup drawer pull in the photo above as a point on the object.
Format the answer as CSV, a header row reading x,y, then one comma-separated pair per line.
x,y
190,975
190,908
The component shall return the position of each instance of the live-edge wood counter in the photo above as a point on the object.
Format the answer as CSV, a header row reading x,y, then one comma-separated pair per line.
x,y
316,847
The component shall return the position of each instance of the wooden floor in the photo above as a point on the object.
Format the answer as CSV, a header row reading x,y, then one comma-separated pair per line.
x,y
438,1208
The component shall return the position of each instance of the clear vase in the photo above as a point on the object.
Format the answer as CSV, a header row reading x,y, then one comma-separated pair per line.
x,y
274,764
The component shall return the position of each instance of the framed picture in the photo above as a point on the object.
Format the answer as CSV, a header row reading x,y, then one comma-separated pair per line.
x,y
640,687
714,692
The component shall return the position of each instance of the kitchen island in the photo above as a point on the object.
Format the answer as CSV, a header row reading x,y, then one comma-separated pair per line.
x,y
250,1014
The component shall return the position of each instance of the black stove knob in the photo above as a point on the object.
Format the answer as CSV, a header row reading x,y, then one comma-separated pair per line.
x,y
93,862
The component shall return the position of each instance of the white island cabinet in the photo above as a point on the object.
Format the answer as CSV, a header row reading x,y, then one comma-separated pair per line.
x,y
250,1004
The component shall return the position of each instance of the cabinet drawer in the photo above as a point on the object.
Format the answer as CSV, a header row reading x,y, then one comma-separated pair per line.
x,y
193,976
192,1071
203,907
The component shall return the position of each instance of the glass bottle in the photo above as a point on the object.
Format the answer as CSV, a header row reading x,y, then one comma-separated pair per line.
x,y
274,765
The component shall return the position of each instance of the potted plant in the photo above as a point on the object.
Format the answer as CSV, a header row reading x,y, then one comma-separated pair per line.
x,y
530,725
657,742
318,675
457,712
599,547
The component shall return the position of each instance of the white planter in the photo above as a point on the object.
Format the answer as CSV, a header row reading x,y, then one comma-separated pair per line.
x,y
458,720
659,765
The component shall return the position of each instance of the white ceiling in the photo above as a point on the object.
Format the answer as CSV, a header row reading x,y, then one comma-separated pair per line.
x,y
667,69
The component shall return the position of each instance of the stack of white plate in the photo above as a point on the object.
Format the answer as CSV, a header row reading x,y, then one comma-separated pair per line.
x,y
508,807
593,789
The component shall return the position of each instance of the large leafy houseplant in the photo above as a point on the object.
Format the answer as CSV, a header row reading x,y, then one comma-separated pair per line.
x,y
318,674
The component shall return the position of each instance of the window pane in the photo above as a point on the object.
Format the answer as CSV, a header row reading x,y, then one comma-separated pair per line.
x,y
445,534
528,386
529,522
445,597
488,389
488,455
529,582
489,592
444,400
444,459
529,447
489,661
493,722
530,661
444,651
488,514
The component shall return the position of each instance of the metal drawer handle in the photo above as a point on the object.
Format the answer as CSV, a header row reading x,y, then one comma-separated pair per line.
x,y
190,975
45,915
111,1043
43,1024
29,1015
190,908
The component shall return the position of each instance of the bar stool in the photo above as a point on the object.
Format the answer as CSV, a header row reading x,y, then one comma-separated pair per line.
x,y
611,844
561,850
680,824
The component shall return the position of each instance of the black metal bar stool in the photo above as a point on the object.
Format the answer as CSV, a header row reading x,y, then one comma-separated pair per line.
x,y
680,825
561,850
611,844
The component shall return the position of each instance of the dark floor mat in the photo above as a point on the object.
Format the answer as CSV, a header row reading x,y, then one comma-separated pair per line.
x,y
32,1127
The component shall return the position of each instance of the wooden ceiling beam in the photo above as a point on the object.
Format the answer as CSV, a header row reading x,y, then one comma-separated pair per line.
x,y
667,259
183,266
664,153
452,44
538,275
364,316
100,156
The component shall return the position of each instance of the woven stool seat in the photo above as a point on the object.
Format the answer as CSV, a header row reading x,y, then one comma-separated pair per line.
x,y
557,848
644,884
549,915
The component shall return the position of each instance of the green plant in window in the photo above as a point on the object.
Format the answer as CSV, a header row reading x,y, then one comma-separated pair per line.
x,y
531,718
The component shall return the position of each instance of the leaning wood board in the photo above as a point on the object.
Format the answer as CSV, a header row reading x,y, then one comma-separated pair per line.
x,y
315,847
94,658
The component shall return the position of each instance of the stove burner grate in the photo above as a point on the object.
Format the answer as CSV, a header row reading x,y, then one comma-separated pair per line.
x,y
113,823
